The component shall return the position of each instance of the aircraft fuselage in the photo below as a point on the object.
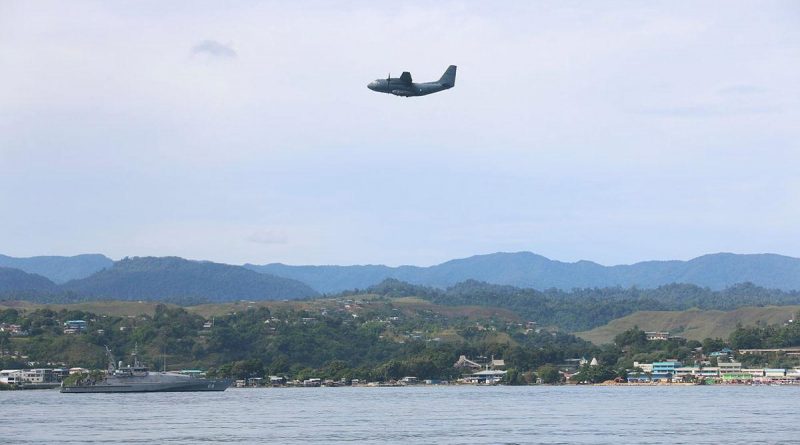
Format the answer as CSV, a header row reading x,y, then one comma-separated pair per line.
x,y
398,88
403,86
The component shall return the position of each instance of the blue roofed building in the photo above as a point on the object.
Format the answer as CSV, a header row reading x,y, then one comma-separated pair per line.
x,y
664,371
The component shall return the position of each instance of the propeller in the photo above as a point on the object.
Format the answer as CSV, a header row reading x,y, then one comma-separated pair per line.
x,y
388,77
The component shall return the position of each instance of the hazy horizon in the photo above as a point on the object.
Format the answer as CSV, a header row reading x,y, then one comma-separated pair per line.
x,y
614,132
407,264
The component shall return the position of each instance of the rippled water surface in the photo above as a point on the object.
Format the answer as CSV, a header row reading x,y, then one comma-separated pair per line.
x,y
419,415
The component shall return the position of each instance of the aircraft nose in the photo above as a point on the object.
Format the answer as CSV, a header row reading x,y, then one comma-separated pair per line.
x,y
372,85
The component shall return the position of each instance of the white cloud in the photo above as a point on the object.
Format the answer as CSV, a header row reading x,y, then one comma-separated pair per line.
x,y
214,49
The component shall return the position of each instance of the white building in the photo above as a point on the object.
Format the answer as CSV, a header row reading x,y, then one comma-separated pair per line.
x,y
488,377
729,367
11,376
19,376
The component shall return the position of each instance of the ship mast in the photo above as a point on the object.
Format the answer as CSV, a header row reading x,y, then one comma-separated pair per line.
x,y
135,355
110,360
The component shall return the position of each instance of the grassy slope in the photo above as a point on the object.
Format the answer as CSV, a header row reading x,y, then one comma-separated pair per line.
x,y
469,312
125,308
692,324
114,308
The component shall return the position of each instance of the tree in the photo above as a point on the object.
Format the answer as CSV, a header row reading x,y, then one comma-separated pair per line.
x,y
548,374
631,337
713,344
747,338
594,374
513,378
247,369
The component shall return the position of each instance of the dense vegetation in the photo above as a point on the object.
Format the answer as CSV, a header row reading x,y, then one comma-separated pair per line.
x,y
384,340
757,337
365,337
583,309
16,281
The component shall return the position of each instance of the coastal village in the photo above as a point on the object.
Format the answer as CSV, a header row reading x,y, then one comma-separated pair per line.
x,y
491,371
722,366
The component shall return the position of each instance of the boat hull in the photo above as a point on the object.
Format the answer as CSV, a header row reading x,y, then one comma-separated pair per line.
x,y
192,386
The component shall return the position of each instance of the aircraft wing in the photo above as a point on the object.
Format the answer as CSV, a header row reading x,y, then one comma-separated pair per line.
x,y
405,77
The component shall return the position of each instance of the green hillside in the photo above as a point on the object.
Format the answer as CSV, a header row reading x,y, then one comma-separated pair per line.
x,y
15,281
173,279
366,337
692,324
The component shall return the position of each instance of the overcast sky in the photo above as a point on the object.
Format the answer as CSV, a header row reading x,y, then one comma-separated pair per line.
x,y
244,132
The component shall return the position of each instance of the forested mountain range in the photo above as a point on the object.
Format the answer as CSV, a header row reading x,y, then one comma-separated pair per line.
x,y
520,269
168,279
183,281
59,269
529,270
15,280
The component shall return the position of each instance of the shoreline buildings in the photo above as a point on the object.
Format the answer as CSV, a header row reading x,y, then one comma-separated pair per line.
x,y
673,371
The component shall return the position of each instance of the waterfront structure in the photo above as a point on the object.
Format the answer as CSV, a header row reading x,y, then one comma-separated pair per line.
x,y
729,367
497,364
696,372
490,372
485,377
736,377
10,376
275,380
32,378
465,363
725,372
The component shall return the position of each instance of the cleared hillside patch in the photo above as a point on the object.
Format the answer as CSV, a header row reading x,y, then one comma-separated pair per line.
x,y
692,324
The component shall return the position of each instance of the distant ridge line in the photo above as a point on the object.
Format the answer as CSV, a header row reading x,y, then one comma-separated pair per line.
x,y
521,269
526,269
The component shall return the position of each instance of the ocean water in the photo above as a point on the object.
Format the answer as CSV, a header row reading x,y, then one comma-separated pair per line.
x,y
411,415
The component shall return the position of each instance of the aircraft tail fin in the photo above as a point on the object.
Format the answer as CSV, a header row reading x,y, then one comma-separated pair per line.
x,y
449,77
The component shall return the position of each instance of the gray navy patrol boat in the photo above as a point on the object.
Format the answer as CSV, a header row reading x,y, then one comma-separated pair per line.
x,y
138,378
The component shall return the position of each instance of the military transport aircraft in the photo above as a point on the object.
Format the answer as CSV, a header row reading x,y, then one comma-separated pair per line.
x,y
403,86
